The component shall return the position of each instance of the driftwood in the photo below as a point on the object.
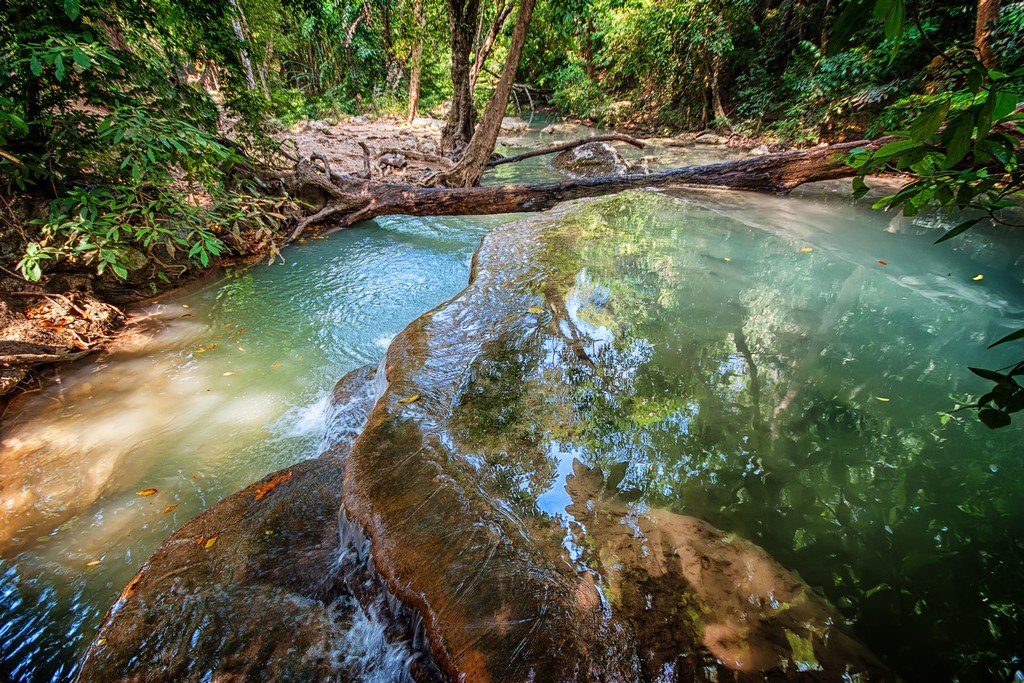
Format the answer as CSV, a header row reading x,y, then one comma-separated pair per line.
x,y
553,149
345,200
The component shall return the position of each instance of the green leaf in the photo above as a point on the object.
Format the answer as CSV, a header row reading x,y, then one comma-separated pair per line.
x,y
1005,103
990,375
846,25
963,227
994,419
959,141
71,7
929,121
58,66
891,149
1013,336
34,66
81,59
119,270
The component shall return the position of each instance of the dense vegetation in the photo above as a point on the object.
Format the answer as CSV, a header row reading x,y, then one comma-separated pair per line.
x,y
128,129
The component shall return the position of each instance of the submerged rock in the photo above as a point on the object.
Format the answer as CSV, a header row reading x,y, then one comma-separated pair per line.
x,y
590,160
490,483
270,583
469,480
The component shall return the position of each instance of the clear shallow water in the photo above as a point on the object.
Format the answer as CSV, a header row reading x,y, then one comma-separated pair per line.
x,y
166,416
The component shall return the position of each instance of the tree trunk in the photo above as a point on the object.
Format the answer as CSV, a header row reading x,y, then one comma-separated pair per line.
x,y
417,61
458,130
716,96
470,167
484,49
985,24
243,52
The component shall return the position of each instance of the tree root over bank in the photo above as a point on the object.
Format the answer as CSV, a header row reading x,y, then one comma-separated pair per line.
x,y
342,200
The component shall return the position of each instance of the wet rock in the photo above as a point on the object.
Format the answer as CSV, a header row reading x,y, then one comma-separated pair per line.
x,y
710,139
590,160
760,151
393,160
560,128
458,482
267,584
436,124
513,124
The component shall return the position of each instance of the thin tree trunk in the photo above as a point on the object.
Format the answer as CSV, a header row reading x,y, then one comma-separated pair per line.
x,y
458,129
243,52
985,24
484,49
417,61
470,167
716,96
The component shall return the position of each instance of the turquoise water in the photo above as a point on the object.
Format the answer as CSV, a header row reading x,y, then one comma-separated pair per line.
x,y
908,521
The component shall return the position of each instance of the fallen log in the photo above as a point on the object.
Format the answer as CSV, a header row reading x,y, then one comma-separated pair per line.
x,y
349,200
565,146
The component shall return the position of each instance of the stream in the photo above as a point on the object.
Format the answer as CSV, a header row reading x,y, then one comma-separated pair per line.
x,y
778,367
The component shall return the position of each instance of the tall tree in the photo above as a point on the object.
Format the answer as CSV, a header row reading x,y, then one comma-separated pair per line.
x,y
984,25
470,167
458,129
417,60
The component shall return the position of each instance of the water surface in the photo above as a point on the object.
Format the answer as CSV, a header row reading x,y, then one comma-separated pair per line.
x,y
766,373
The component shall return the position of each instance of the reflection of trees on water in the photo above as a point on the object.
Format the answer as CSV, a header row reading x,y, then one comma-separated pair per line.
x,y
758,411
748,393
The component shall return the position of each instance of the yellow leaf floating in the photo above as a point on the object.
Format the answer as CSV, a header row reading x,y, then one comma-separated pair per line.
x,y
535,309
92,563
184,305
978,278
145,492
170,508
883,399
209,542
882,262
727,259
410,399
806,250
276,365
227,374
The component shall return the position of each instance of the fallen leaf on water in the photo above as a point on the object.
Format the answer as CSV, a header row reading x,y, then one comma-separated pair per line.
x,y
410,399
264,489
276,365
535,310
241,349
727,259
883,399
209,542
171,508
227,374
184,305
195,476
978,278
92,563
145,492
806,250
882,262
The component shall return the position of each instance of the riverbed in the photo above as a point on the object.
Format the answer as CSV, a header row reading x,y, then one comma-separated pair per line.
x,y
856,307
